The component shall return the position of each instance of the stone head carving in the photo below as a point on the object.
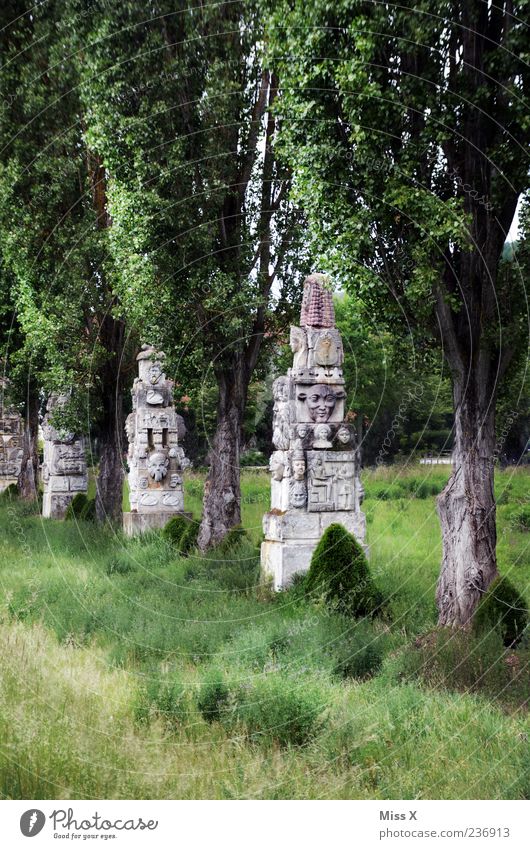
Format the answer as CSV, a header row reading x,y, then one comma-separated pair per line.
x,y
155,372
281,389
344,435
277,465
298,465
298,343
158,465
317,303
320,401
322,434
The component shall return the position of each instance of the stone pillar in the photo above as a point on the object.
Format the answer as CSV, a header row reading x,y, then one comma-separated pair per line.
x,y
156,460
64,469
11,434
315,471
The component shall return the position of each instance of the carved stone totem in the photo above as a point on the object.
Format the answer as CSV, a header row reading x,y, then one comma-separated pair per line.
x,y
314,469
64,468
156,460
11,435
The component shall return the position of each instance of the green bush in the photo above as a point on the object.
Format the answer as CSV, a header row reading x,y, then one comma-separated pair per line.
x,y
358,654
213,697
276,710
339,572
520,518
503,609
456,660
88,512
164,699
120,564
188,539
9,492
253,458
76,506
175,529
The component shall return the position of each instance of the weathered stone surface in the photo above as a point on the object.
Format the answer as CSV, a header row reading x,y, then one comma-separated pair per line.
x,y
11,435
314,469
64,469
156,460
139,523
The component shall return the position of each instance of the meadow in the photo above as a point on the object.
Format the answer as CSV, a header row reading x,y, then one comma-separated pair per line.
x,y
130,671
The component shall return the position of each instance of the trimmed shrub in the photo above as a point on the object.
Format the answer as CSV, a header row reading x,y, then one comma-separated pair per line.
x,y
502,608
213,697
88,513
175,529
339,572
10,492
76,506
188,539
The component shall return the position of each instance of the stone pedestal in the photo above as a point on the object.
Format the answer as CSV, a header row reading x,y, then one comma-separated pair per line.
x,y
64,469
140,523
315,469
11,436
156,460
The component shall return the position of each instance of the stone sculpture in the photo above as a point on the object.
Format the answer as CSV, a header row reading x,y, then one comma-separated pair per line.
x,y
156,460
314,469
64,469
11,436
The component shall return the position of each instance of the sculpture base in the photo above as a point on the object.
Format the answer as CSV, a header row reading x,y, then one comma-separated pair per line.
x,y
141,523
291,538
5,482
55,505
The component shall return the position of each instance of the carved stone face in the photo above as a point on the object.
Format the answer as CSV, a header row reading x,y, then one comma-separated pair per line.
x,y
321,402
158,466
322,432
343,435
298,470
155,372
281,392
298,494
277,466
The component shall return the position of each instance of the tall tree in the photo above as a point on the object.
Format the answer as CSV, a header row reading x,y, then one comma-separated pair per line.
x,y
179,108
54,229
407,130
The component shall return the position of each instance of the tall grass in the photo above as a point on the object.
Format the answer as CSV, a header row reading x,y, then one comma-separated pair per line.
x,y
112,650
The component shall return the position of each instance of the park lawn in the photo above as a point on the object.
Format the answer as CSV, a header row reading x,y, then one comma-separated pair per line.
x,y
129,671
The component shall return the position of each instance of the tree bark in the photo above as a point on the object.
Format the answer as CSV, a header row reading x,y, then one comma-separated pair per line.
x,y
222,491
109,484
28,478
466,506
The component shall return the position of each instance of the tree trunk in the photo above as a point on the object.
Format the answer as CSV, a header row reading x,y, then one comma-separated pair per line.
x,y
222,491
28,478
466,506
109,485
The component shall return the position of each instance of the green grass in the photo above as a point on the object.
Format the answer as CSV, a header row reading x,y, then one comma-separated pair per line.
x,y
112,648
